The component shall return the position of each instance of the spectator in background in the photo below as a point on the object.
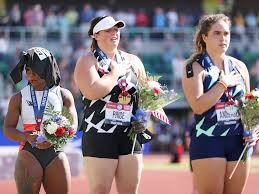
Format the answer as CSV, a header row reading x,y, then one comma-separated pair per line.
x,y
38,16
28,16
4,42
4,19
142,19
177,65
72,16
251,22
239,25
164,138
15,15
63,25
51,20
177,148
123,15
159,18
131,18
172,18
102,11
136,46
167,56
212,79
87,14
51,24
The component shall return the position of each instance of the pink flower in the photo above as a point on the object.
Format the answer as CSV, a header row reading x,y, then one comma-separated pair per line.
x,y
157,91
71,131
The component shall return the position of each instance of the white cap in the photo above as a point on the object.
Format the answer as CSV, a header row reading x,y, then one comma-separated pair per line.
x,y
107,23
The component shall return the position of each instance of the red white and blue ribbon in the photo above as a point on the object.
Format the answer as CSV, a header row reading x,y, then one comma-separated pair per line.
x,y
160,114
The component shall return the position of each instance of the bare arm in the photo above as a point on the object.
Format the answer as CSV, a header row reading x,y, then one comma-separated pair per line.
x,y
193,90
68,100
11,121
89,82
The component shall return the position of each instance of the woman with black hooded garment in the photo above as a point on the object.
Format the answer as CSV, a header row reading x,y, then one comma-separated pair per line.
x,y
38,163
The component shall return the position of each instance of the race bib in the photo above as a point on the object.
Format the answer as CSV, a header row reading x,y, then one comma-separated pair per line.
x,y
227,114
118,114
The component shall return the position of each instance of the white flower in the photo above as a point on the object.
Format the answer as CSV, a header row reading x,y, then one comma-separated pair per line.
x,y
65,121
255,93
154,84
51,128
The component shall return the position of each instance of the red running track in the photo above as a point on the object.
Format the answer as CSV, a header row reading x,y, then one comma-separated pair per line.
x,y
154,181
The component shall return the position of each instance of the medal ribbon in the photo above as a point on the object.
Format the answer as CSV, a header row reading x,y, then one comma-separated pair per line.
x,y
38,112
229,96
123,85
104,67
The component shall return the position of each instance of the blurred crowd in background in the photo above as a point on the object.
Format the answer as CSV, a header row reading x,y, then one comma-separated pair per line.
x,y
166,32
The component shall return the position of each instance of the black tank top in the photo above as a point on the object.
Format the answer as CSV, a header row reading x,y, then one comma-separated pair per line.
x,y
94,110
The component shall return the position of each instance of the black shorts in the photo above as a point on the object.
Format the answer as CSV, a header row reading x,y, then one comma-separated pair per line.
x,y
229,147
44,156
108,145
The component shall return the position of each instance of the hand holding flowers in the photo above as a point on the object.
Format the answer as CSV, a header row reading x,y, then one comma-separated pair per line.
x,y
139,123
57,129
251,136
249,112
152,96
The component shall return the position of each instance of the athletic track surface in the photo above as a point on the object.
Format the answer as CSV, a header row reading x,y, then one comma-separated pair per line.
x,y
159,177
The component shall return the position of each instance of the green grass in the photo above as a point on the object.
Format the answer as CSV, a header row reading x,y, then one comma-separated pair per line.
x,y
157,165
184,165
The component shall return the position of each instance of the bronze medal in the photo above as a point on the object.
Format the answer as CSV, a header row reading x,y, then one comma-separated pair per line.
x,y
124,99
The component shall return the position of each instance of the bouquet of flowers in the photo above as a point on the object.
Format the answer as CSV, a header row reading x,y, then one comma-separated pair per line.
x,y
57,129
249,112
152,96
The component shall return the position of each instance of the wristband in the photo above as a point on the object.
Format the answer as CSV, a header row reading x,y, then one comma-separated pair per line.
x,y
223,84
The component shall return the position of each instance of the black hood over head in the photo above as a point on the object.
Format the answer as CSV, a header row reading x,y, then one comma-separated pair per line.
x,y
42,62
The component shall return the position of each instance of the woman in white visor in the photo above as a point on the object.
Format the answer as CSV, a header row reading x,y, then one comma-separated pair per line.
x,y
107,78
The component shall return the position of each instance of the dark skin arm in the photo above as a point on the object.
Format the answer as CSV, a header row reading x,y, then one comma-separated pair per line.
x,y
68,102
11,120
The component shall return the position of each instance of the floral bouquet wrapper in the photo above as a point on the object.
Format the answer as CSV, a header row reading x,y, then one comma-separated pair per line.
x,y
57,129
249,113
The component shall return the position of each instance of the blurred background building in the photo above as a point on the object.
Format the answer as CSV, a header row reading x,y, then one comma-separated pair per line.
x,y
160,32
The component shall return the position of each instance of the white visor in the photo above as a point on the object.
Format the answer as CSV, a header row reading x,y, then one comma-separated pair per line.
x,y
107,23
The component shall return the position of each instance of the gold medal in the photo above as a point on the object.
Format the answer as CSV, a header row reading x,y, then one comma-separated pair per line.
x,y
124,99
